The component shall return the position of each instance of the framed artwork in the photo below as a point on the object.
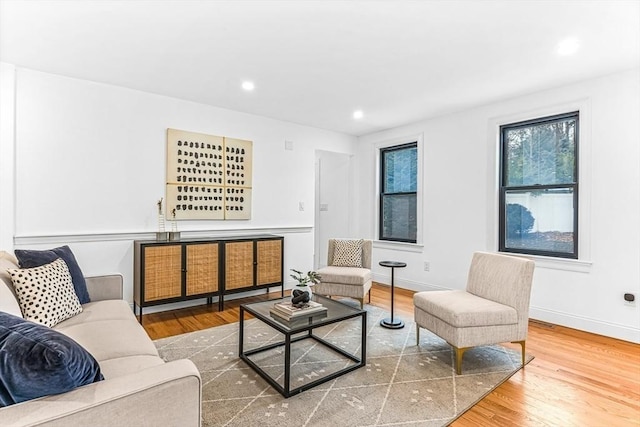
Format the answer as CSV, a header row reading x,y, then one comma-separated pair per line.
x,y
208,176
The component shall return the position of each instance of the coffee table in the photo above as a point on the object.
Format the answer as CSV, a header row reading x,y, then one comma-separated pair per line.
x,y
301,329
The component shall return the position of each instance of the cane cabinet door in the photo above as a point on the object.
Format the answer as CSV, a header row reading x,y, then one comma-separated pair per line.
x,y
269,263
202,268
238,265
162,272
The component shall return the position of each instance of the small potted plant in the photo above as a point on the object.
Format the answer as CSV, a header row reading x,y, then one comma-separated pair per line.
x,y
309,279
305,280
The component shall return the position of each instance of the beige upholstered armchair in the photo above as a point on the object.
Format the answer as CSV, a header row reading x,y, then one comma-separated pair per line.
x,y
348,270
493,309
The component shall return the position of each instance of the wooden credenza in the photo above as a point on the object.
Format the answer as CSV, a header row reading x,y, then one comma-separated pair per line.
x,y
166,272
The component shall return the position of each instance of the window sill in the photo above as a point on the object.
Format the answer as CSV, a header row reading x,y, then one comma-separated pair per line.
x,y
398,246
577,265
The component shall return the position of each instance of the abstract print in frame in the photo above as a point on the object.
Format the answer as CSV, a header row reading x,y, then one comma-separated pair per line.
x,y
238,163
208,177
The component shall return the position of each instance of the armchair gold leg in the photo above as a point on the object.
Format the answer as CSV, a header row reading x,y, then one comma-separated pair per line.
x,y
459,353
361,303
522,343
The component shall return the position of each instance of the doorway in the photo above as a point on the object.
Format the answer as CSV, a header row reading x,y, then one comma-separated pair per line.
x,y
334,199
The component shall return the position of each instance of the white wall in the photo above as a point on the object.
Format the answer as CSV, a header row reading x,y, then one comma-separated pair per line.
x,y
7,120
90,167
460,203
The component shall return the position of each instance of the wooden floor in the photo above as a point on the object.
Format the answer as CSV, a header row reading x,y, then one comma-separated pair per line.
x,y
576,379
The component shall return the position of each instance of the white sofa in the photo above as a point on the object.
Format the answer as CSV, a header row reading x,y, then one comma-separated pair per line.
x,y
139,388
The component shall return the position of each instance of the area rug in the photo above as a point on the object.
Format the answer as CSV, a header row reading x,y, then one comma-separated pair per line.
x,y
402,384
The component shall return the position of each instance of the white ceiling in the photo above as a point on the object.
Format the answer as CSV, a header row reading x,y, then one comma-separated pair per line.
x,y
315,62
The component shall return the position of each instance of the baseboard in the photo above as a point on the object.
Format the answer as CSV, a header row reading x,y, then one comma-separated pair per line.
x,y
594,326
406,284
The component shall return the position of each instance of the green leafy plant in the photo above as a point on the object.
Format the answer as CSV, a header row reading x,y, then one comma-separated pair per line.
x,y
519,220
311,278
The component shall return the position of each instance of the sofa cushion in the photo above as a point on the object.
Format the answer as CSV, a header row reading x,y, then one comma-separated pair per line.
x,y
109,339
344,275
38,361
35,258
347,253
8,299
98,311
462,309
45,293
112,368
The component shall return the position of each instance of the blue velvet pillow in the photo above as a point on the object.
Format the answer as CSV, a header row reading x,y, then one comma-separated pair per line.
x,y
37,361
33,258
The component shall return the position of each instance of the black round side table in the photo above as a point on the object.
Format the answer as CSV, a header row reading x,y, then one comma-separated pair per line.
x,y
392,323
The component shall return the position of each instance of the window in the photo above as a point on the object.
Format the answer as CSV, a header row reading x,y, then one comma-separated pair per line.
x,y
539,186
398,192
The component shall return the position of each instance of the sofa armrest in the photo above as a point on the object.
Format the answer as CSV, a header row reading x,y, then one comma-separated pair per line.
x,y
104,287
169,394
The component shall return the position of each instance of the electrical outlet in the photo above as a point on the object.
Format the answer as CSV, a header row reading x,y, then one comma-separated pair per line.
x,y
427,266
629,300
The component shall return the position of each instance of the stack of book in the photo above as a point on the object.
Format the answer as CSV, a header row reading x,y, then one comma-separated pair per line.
x,y
288,312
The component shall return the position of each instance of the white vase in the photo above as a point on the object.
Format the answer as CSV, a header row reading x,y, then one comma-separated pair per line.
x,y
306,289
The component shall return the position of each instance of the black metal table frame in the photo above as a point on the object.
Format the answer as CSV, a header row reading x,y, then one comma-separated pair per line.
x,y
286,391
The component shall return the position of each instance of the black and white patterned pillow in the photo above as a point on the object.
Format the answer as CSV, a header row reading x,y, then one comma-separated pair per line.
x,y
347,253
46,293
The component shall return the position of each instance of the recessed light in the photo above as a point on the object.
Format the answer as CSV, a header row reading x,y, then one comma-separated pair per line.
x,y
568,46
248,86
358,114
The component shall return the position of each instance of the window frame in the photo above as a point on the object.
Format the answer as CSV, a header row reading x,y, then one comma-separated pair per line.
x,y
504,188
382,193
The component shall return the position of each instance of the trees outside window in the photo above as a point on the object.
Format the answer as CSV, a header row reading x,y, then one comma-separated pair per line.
x,y
539,186
398,194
